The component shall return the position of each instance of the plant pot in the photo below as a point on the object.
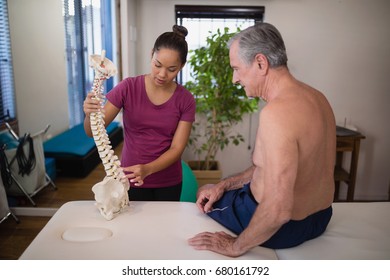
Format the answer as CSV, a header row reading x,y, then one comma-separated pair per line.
x,y
204,177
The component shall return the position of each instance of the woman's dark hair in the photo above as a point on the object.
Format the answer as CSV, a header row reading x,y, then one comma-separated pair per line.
x,y
174,40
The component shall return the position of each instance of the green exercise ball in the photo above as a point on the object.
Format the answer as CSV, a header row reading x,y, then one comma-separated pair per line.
x,y
190,185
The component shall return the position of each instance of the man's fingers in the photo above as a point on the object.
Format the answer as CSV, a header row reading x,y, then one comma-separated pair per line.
x,y
201,240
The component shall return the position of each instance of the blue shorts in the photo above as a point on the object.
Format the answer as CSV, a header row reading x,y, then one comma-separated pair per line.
x,y
235,209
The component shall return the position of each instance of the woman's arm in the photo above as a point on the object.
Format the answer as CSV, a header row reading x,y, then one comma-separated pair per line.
x,y
138,172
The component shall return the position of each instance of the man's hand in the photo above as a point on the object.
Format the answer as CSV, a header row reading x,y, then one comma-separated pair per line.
x,y
218,242
207,195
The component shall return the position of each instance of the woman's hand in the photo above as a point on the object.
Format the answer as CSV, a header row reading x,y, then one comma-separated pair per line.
x,y
137,173
91,105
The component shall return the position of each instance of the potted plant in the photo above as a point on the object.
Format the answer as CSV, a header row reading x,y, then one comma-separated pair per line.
x,y
220,104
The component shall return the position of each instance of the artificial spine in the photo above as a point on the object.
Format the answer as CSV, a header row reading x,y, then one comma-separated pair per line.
x,y
104,69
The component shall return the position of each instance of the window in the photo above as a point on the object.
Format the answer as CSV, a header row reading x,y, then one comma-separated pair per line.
x,y
202,21
87,31
7,92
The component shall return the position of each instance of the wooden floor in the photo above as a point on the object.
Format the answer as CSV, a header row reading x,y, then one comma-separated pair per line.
x,y
15,237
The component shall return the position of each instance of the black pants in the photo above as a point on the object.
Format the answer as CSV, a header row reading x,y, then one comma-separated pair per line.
x,y
155,194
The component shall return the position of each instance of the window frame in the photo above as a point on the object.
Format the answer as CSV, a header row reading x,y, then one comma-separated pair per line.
x,y
7,86
86,32
212,11
255,13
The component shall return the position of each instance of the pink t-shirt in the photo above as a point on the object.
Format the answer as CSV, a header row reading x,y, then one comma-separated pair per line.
x,y
149,128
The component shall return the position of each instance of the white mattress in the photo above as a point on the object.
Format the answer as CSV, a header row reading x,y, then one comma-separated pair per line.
x,y
357,231
147,230
160,230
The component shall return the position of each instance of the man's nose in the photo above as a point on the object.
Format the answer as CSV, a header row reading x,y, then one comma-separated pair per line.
x,y
235,79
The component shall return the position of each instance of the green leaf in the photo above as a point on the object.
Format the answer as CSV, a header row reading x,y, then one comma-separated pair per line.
x,y
219,103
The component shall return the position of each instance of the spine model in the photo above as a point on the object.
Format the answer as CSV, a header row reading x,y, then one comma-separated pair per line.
x,y
110,194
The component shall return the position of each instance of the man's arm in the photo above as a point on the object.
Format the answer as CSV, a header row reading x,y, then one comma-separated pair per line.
x,y
208,194
237,181
276,152
276,161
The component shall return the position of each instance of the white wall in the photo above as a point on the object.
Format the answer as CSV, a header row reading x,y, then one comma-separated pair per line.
x,y
129,36
340,47
38,44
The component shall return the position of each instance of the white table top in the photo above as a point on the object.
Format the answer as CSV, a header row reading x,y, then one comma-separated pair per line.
x,y
146,230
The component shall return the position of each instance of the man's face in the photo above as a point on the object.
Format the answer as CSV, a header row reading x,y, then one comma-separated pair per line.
x,y
243,74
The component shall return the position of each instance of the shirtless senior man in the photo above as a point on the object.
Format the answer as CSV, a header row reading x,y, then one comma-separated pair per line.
x,y
286,197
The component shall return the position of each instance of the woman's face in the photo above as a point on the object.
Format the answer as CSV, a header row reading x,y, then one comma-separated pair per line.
x,y
165,66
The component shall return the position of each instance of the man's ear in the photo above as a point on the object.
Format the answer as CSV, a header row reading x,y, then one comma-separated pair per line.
x,y
261,61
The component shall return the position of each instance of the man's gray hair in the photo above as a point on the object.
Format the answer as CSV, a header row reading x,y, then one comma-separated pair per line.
x,y
261,38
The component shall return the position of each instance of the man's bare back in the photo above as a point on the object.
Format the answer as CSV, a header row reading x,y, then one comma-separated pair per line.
x,y
305,121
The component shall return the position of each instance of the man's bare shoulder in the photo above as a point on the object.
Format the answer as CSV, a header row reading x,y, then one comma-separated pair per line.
x,y
278,111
